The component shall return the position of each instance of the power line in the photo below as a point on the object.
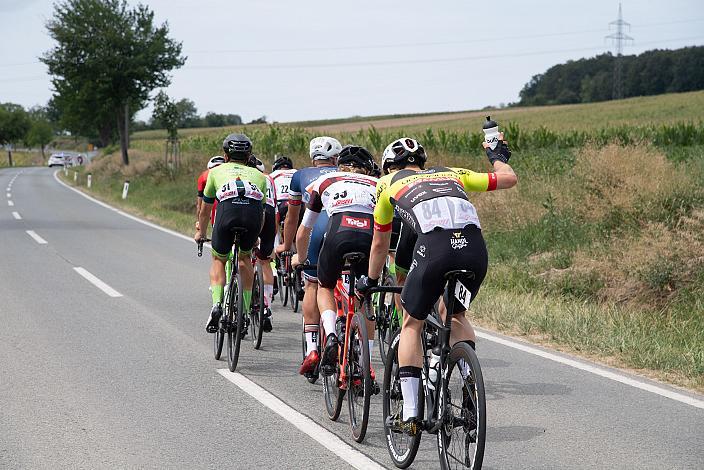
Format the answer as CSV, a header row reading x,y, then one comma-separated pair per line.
x,y
417,61
393,62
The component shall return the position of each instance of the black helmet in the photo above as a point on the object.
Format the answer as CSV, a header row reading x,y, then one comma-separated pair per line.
x,y
237,146
376,172
402,152
282,161
354,155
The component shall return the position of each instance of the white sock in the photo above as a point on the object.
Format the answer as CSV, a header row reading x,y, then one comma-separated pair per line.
x,y
329,317
311,338
409,389
371,348
268,293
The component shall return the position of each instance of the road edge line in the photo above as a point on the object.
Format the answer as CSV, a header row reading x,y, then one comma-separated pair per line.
x,y
526,347
322,436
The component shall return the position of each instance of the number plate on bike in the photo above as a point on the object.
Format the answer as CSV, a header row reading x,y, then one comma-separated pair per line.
x,y
463,294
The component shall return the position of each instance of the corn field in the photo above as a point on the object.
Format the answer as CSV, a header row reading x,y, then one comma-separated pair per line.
x,y
294,141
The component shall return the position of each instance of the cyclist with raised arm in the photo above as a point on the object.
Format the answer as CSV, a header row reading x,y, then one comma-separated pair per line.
x,y
348,198
433,202
323,153
200,185
240,192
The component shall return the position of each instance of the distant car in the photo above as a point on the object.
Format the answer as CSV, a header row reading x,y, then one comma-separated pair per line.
x,y
56,159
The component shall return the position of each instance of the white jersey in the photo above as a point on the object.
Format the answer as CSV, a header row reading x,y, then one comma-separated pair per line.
x,y
343,191
271,196
282,183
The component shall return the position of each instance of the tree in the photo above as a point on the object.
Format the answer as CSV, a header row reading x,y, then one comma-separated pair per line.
x,y
40,133
166,114
187,113
14,125
107,60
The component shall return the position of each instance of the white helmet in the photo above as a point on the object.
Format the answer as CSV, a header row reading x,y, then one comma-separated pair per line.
x,y
324,148
215,161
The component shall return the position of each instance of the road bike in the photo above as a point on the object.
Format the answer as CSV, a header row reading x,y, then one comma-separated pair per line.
x,y
452,402
257,311
352,372
285,277
297,289
388,317
311,376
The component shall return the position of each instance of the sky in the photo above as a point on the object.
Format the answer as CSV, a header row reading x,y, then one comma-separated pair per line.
x,y
319,59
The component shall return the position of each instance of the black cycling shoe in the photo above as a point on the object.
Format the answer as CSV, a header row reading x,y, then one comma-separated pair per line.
x,y
214,319
266,323
276,288
329,360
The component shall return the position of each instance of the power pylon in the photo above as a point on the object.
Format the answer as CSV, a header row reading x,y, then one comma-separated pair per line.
x,y
618,39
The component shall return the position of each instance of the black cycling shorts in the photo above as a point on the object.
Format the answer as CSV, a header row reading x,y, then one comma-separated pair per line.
x,y
395,232
268,233
236,213
346,233
435,253
404,248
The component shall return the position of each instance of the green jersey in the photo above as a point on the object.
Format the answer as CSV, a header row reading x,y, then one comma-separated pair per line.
x,y
234,180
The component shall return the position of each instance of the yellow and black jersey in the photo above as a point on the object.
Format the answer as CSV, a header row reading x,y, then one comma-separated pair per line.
x,y
431,198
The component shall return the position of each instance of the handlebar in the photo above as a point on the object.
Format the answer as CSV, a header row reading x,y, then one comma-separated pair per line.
x,y
200,245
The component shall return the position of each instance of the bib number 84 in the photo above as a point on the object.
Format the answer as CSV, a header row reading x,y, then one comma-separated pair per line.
x,y
463,294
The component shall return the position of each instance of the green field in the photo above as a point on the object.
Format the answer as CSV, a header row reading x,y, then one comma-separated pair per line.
x,y
598,250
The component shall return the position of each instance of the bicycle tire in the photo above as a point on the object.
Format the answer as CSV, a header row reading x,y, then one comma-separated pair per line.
x,y
234,338
359,368
219,335
384,312
392,403
256,312
469,420
333,395
294,291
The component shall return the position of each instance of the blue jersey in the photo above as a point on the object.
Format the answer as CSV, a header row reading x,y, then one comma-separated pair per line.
x,y
302,179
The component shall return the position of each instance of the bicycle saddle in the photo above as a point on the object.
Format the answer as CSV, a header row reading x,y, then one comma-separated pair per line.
x,y
458,273
354,257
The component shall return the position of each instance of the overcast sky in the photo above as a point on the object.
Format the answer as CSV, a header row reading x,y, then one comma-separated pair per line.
x,y
313,59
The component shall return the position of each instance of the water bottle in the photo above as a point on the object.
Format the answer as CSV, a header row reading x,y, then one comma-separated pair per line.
x,y
340,329
433,370
491,133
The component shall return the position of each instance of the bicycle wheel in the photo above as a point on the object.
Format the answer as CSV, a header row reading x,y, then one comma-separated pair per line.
x,y
256,313
332,393
384,316
462,437
359,377
294,291
402,447
219,340
236,327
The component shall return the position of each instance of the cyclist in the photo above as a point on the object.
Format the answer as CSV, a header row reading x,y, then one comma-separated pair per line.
x,y
266,241
202,178
282,173
240,192
323,153
348,198
433,202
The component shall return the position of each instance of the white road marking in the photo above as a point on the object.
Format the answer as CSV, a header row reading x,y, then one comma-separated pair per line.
x,y
10,203
36,237
8,195
17,215
324,437
97,282
579,365
671,394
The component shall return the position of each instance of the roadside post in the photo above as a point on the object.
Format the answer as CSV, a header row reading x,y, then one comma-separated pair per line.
x,y
125,188
75,176
89,180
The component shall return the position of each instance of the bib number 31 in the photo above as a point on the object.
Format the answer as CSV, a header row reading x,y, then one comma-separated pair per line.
x,y
463,294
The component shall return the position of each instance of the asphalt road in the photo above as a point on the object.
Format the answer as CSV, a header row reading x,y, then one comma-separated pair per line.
x,y
90,380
